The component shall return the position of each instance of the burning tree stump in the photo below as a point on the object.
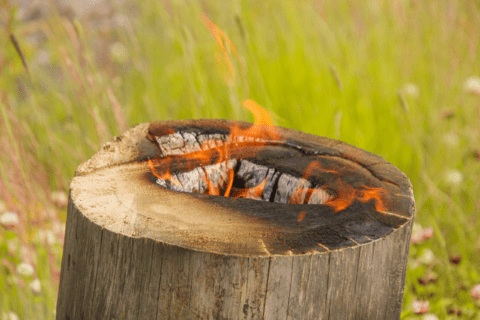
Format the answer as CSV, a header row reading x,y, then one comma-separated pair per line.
x,y
215,219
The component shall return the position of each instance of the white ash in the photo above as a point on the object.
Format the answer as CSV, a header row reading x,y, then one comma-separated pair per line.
x,y
297,190
211,140
186,142
191,143
288,188
218,173
253,174
195,180
272,176
319,196
171,144
173,183
287,184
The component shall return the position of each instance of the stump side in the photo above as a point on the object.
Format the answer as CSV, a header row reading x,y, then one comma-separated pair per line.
x,y
106,275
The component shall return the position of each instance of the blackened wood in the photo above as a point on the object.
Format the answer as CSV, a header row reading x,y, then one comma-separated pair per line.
x,y
136,250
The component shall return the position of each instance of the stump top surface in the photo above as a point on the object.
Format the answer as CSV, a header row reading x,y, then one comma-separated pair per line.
x,y
116,189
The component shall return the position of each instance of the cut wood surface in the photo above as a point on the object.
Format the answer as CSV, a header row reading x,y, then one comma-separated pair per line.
x,y
141,247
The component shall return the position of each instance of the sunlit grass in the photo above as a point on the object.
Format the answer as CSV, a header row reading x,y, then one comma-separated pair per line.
x,y
385,76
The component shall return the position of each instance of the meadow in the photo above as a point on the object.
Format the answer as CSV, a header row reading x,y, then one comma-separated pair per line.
x,y
398,78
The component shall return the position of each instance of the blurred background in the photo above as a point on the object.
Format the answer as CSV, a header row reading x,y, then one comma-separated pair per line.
x,y
398,78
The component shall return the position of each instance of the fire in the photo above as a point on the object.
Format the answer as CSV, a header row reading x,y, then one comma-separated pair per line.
x,y
336,193
262,128
231,175
251,193
256,135
261,115
244,142
345,196
212,190
164,176
377,194
301,215
221,55
315,165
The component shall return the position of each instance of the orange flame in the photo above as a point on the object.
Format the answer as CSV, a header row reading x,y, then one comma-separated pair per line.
x,y
221,56
212,190
257,135
345,196
262,116
315,165
302,195
262,128
209,155
301,216
231,174
377,194
164,176
255,192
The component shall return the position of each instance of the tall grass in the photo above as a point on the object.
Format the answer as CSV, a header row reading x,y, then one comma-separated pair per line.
x,y
386,76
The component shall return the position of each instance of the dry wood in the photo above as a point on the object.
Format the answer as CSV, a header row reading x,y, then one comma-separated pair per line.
x,y
137,250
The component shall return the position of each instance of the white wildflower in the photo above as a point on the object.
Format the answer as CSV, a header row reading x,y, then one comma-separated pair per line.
x,y
25,269
454,177
416,227
411,90
36,286
420,307
58,227
413,264
475,292
9,219
472,85
451,139
430,316
60,198
45,236
421,235
10,316
427,256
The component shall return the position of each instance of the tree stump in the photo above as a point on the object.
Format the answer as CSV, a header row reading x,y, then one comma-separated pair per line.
x,y
312,228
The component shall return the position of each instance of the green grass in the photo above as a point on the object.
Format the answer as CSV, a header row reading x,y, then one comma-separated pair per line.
x,y
336,69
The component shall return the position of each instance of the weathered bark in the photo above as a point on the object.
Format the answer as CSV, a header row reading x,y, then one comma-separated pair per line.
x,y
136,250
